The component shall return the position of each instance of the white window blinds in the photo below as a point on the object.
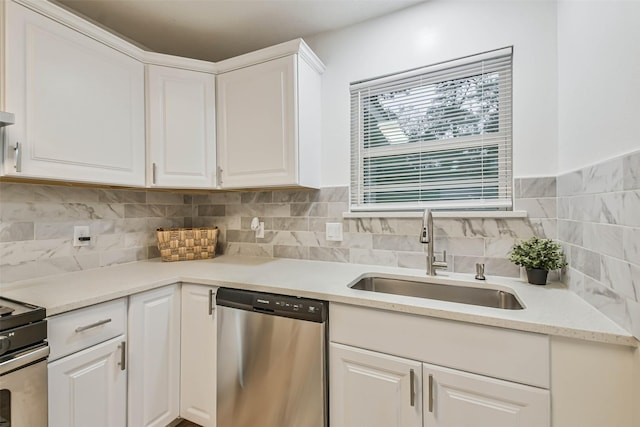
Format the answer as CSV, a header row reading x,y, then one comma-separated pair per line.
x,y
438,137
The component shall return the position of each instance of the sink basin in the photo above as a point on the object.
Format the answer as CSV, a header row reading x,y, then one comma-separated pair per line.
x,y
462,294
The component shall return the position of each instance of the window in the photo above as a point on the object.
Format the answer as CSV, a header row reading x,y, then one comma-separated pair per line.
x,y
439,137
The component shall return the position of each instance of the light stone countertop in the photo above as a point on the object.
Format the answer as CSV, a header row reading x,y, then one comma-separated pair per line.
x,y
550,309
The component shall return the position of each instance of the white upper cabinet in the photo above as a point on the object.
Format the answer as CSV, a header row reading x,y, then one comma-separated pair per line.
x,y
181,114
78,94
269,121
78,104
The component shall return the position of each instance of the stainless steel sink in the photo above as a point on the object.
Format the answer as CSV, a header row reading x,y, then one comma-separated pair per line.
x,y
462,294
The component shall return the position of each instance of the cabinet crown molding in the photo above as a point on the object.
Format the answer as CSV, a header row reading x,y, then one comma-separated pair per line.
x,y
95,31
292,47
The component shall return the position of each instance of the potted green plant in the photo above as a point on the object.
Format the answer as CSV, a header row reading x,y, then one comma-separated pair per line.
x,y
537,256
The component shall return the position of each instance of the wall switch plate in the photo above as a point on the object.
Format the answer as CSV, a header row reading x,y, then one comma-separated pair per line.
x,y
334,231
81,235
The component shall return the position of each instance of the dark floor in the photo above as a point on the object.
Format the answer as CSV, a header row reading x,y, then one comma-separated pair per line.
x,y
186,423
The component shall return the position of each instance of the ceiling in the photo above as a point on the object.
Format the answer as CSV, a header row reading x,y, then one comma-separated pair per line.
x,y
214,30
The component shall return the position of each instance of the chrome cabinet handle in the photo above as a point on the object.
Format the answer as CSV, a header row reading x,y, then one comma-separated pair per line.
x,y
18,158
153,173
93,325
211,306
219,176
412,386
123,355
430,393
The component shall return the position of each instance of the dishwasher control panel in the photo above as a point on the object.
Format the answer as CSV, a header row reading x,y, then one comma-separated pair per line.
x,y
282,305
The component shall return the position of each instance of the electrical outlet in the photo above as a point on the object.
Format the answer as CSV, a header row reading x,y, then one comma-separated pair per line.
x,y
334,231
81,235
260,231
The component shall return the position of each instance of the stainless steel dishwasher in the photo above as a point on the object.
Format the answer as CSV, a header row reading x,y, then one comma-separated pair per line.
x,y
271,360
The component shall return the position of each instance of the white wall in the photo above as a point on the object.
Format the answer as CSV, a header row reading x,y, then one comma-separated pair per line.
x,y
599,81
440,30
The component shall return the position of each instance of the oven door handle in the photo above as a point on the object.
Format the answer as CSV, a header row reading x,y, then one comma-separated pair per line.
x,y
24,359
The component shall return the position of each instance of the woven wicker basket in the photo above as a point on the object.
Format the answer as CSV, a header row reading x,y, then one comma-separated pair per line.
x,y
182,244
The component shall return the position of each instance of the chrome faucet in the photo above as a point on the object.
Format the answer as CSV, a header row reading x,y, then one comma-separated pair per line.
x,y
426,236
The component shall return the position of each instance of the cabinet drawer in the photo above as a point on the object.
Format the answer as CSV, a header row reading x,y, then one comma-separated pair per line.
x,y
80,329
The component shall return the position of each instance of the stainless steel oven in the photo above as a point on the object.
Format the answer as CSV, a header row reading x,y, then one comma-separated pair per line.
x,y
23,365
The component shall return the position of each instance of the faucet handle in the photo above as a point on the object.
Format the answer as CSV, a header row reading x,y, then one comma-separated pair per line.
x,y
441,264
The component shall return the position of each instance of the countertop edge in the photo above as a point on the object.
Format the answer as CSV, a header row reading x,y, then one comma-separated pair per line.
x,y
161,280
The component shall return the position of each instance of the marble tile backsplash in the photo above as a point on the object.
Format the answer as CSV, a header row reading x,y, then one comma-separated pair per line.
x,y
295,223
36,227
599,225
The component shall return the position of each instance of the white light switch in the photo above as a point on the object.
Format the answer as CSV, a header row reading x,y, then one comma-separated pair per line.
x,y
334,231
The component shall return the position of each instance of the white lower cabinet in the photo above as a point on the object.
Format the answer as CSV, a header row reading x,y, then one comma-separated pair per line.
x,y
87,366
373,389
89,388
198,371
456,398
154,357
464,375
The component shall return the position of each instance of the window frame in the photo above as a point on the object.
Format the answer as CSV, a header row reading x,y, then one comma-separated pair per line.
x,y
437,73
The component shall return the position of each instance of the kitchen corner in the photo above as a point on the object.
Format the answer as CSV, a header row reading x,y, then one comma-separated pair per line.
x,y
554,324
364,192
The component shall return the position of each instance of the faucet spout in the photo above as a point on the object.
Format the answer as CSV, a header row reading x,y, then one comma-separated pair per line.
x,y
427,222
426,237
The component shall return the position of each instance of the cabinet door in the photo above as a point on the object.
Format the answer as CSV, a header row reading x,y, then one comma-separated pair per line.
x,y
373,389
198,380
79,104
456,398
181,105
257,124
89,388
154,357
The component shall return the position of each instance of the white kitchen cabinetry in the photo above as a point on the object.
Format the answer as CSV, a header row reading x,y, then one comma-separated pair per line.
x,y
89,388
87,366
470,374
374,389
456,398
78,103
269,122
198,380
181,114
154,357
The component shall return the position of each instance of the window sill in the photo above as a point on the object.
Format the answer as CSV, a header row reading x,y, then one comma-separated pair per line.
x,y
436,214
